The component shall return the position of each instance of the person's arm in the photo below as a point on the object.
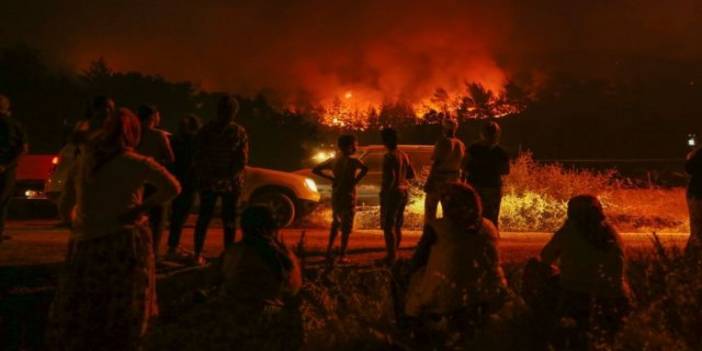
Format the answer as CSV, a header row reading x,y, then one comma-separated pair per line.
x,y
410,169
241,153
166,185
693,164
320,169
421,253
504,163
67,201
19,147
389,173
167,155
363,171
552,250
438,155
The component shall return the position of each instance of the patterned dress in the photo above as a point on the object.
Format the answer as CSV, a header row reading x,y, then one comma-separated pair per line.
x,y
106,294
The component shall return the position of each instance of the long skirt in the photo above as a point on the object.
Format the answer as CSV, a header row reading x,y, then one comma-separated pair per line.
x,y
106,294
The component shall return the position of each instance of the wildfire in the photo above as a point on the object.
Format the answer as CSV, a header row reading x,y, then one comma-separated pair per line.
x,y
359,109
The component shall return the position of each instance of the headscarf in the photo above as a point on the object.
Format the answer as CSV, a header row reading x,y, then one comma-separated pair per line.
x,y
462,206
121,132
586,215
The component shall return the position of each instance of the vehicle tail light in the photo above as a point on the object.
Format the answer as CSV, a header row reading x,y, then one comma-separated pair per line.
x,y
54,165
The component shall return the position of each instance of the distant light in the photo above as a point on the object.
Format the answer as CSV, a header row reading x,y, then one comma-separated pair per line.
x,y
322,156
55,160
348,95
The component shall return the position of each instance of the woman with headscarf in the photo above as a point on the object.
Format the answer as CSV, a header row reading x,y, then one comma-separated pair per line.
x,y
456,268
106,294
591,263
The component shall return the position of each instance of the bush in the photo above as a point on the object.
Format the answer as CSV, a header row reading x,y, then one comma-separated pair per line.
x,y
536,196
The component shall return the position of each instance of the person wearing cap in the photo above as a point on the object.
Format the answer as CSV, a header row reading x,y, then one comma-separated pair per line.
x,y
154,143
13,143
486,163
447,159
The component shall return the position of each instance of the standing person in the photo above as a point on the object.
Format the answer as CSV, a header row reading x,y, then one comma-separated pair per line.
x,y
106,295
13,143
486,163
183,168
221,155
693,167
346,171
455,270
85,131
397,171
447,159
154,143
591,260
100,108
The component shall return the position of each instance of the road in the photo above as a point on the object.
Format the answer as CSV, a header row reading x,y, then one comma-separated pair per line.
x,y
42,242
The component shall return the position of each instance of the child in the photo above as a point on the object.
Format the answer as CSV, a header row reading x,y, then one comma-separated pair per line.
x,y
346,172
397,170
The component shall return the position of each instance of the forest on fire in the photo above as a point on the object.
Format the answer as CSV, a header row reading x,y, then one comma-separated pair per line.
x,y
645,113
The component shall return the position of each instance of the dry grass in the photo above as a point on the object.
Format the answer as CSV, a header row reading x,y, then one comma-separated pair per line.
x,y
352,310
536,195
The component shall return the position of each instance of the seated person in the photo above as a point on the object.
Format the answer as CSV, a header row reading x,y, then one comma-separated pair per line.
x,y
455,272
253,306
591,263
259,269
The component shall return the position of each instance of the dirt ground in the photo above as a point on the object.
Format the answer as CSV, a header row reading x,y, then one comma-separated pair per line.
x,y
43,242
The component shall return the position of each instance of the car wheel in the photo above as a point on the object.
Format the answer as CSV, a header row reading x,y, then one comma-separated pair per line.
x,y
282,205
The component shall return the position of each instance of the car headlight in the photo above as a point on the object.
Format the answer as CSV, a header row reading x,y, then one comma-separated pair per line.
x,y
311,185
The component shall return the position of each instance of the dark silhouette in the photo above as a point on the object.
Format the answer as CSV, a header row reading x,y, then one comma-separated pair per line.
x,y
100,108
448,156
455,270
345,171
485,165
594,290
221,155
693,166
13,143
154,143
397,171
106,294
183,168
254,306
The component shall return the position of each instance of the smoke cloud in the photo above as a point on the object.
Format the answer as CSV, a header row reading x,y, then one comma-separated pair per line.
x,y
367,49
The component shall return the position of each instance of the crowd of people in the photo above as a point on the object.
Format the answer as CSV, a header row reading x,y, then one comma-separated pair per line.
x,y
126,171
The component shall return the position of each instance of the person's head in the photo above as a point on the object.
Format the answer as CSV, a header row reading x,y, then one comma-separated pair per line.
x,y
491,133
227,108
389,137
258,222
347,144
449,126
462,206
586,214
5,106
121,132
101,107
190,125
148,115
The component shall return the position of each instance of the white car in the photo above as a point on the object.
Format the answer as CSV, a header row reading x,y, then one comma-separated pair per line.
x,y
291,196
368,189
